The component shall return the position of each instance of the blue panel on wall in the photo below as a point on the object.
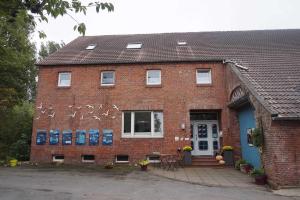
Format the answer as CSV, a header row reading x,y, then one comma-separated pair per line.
x,y
94,137
54,137
67,137
41,136
80,137
249,153
107,137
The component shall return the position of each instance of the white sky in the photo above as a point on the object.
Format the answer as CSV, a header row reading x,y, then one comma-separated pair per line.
x,y
157,16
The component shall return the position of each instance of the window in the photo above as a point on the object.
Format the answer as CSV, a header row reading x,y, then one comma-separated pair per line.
x,y
58,158
88,158
181,43
203,76
64,79
136,45
142,124
153,158
91,47
80,137
153,77
54,137
122,159
107,78
41,137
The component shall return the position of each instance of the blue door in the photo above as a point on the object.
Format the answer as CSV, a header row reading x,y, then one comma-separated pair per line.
x,y
250,153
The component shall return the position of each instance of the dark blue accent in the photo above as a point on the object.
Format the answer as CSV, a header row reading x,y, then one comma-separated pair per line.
x,y
67,137
94,137
246,121
41,136
54,137
107,137
80,137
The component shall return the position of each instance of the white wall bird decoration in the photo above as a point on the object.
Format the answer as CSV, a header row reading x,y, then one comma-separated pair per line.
x,y
40,106
70,106
106,113
97,118
51,115
43,111
90,106
100,107
78,107
115,107
73,115
81,117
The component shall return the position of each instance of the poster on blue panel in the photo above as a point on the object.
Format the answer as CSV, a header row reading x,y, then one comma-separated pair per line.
x,y
94,137
67,137
107,137
41,137
54,137
80,137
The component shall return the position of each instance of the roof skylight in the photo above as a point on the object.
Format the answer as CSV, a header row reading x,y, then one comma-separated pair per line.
x,y
137,45
91,47
181,43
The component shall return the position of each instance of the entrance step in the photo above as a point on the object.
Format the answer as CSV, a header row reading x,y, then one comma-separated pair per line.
x,y
205,161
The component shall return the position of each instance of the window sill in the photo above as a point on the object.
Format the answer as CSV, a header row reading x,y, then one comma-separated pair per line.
x,y
154,86
106,86
63,87
142,137
204,85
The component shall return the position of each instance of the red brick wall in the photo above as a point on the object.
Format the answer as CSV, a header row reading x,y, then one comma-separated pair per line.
x,y
177,95
281,157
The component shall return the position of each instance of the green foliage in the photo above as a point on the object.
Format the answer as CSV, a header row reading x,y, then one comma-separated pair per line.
x,y
187,148
257,137
258,172
15,132
227,148
49,48
143,162
239,162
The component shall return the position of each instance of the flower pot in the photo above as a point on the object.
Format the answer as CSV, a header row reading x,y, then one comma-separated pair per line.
x,y
243,168
260,180
144,167
187,158
13,162
228,158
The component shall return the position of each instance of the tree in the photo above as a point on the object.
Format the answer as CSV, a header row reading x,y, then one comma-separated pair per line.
x,y
49,48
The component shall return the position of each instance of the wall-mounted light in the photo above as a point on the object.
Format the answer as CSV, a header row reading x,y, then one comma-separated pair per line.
x,y
182,126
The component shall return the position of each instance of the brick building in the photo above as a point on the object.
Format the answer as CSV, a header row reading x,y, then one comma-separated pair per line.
x,y
121,98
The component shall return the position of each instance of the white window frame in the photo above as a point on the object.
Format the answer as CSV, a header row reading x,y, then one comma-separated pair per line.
x,y
147,77
59,79
151,134
135,45
204,70
87,161
121,161
108,84
54,159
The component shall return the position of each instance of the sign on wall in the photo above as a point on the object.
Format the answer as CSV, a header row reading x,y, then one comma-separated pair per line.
x,y
80,137
54,137
107,137
41,137
94,137
67,137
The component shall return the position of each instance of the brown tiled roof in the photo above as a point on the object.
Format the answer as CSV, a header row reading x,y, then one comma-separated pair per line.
x,y
271,56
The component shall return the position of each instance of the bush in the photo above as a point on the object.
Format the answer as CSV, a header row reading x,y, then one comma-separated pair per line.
x,y
257,137
258,172
227,148
187,148
239,162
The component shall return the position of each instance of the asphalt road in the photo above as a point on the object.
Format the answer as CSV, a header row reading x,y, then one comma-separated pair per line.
x,y
33,184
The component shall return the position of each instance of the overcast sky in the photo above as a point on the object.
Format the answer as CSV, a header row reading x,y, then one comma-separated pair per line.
x,y
157,16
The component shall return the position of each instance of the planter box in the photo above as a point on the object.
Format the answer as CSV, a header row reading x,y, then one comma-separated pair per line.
x,y
228,158
187,158
260,180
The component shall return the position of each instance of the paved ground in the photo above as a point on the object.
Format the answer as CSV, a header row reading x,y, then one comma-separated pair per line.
x,y
225,177
34,184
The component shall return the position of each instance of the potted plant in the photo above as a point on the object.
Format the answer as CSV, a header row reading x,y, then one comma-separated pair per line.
x,y
238,163
144,164
187,156
259,176
246,167
228,155
109,165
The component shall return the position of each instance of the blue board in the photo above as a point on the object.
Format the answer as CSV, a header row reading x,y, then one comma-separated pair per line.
x,y
94,137
80,137
41,136
67,137
250,153
54,137
107,137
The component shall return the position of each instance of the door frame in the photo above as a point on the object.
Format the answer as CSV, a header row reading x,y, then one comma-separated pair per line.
x,y
210,139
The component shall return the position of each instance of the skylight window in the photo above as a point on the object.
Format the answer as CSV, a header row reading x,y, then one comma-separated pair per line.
x,y
181,43
137,45
91,47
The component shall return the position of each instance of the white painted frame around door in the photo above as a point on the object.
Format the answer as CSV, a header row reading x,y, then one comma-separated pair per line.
x,y
210,139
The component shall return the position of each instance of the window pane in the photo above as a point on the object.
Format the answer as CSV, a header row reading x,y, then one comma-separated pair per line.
x,y
203,145
142,122
64,79
158,120
203,76
202,131
108,78
153,77
127,122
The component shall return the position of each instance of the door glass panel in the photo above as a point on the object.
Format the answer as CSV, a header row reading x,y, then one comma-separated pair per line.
x,y
203,145
214,130
192,131
192,145
216,145
202,131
